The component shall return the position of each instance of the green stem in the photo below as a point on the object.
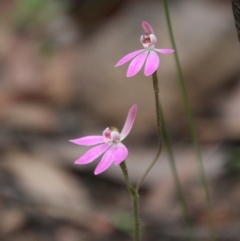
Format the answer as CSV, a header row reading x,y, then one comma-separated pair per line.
x,y
159,130
135,199
171,157
191,123
158,106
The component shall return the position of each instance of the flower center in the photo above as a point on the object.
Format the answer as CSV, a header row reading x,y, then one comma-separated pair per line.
x,y
111,135
148,40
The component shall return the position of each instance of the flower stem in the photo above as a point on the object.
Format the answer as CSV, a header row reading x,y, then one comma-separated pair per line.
x,y
191,123
135,199
171,157
159,130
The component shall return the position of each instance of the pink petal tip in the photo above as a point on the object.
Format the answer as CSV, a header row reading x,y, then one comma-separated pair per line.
x,y
165,51
147,27
129,121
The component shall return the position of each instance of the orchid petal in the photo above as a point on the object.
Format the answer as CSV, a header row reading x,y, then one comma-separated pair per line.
x,y
128,57
121,153
165,51
152,63
129,122
147,27
137,63
88,140
92,154
106,161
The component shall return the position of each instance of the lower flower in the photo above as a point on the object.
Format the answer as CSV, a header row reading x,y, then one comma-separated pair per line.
x,y
109,144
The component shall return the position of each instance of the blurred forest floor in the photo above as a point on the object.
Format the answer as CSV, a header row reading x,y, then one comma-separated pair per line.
x,y
56,75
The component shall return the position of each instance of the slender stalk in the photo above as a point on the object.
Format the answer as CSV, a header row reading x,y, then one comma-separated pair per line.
x,y
159,130
158,106
192,128
135,199
171,157
150,167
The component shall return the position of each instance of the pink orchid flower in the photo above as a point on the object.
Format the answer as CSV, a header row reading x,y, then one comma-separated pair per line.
x,y
148,54
110,144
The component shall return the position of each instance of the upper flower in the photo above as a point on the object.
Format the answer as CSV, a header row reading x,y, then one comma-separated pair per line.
x,y
148,54
110,143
